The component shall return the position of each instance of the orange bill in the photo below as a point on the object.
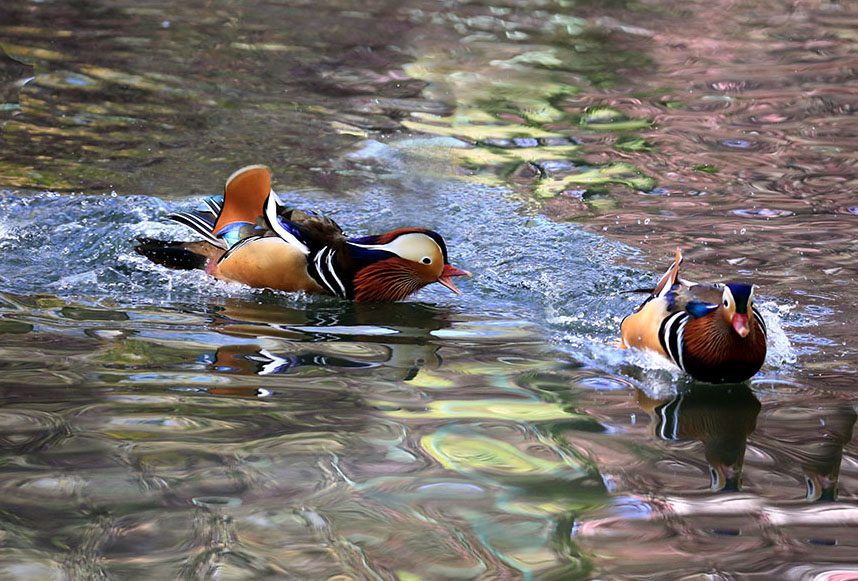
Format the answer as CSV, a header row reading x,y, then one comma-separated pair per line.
x,y
449,272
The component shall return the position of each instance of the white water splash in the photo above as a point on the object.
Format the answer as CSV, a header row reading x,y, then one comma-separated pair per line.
x,y
780,351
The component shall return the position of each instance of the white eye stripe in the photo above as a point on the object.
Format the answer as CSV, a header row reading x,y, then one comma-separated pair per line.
x,y
727,297
414,246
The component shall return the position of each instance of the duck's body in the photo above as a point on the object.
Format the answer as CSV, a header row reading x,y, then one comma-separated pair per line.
x,y
712,332
251,238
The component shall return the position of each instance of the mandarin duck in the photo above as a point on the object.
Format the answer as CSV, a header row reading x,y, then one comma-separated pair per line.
x,y
721,419
712,332
251,238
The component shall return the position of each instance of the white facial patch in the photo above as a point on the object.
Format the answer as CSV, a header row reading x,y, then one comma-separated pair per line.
x,y
727,298
412,246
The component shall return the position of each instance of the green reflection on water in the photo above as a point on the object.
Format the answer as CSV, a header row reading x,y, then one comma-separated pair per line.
x,y
165,126
594,177
516,410
468,452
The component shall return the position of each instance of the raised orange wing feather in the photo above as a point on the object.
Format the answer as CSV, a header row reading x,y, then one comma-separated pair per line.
x,y
670,277
244,196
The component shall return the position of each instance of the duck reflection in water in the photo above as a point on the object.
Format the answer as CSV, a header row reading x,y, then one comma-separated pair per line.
x,y
813,436
13,76
721,418
396,338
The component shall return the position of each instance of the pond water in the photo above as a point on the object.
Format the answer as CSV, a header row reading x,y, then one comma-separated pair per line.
x,y
158,424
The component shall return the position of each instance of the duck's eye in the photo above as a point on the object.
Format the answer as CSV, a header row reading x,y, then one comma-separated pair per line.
x,y
426,260
726,303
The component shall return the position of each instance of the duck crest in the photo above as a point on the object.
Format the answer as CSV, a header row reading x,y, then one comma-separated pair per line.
x,y
741,293
386,241
381,239
712,332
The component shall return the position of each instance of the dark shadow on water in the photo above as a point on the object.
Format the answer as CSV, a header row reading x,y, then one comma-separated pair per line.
x,y
720,417
13,76
810,436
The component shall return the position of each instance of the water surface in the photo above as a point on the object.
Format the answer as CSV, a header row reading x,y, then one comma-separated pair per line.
x,y
158,424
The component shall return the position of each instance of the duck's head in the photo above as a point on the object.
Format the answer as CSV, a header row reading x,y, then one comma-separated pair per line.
x,y
394,265
736,301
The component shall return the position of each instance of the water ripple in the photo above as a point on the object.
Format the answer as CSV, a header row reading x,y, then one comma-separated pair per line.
x,y
762,213
158,424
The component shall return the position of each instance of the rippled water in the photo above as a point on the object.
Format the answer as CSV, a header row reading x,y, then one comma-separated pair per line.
x,y
158,424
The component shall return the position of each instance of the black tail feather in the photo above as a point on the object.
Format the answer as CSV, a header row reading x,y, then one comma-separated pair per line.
x,y
170,254
638,290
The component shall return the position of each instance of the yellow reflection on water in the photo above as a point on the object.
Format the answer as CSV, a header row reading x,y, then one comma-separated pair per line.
x,y
469,452
500,409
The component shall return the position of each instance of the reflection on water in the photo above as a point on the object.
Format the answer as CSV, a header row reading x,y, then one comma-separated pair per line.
x,y
160,425
13,76
396,337
815,442
720,418
317,461
665,512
